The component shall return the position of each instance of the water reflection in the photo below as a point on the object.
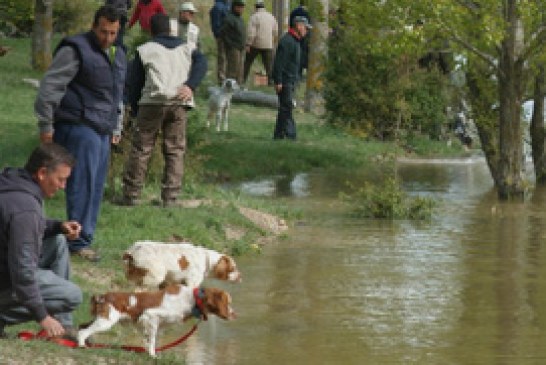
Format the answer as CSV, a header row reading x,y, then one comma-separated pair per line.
x,y
465,288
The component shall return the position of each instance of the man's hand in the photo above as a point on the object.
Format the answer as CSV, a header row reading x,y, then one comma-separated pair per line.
x,y
71,229
116,139
52,326
185,93
247,49
46,137
278,88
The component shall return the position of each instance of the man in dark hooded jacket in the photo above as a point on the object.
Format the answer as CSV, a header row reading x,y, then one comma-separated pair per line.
x,y
164,76
34,255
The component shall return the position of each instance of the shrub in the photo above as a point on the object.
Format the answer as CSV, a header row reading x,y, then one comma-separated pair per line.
x,y
74,16
388,201
16,17
380,91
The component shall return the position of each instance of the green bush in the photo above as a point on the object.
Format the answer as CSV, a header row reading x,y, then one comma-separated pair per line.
x,y
427,96
16,17
381,94
389,201
74,16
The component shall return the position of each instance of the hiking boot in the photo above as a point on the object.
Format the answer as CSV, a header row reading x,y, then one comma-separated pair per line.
x,y
87,254
126,201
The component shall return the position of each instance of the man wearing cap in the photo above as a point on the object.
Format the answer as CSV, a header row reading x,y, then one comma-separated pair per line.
x,y
233,34
285,75
187,30
262,33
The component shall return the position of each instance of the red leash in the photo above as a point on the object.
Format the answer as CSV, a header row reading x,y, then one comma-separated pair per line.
x,y
27,335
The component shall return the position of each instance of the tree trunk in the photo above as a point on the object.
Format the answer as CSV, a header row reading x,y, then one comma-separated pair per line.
x,y
485,117
537,129
510,77
41,34
314,101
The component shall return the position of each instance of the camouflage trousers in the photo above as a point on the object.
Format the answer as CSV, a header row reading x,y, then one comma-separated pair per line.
x,y
153,120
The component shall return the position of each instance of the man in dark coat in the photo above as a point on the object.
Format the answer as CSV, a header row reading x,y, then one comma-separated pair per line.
x,y
286,73
233,35
34,257
217,15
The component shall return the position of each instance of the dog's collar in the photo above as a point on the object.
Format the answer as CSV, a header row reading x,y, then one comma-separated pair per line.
x,y
199,309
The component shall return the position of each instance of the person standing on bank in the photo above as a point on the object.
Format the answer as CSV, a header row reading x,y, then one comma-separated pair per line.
x,y
144,11
165,74
262,34
217,15
233,34
79,106
187,30
34,259
285,76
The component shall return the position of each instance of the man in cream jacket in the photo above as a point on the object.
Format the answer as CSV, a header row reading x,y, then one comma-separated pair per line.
x,y
164,76
262,33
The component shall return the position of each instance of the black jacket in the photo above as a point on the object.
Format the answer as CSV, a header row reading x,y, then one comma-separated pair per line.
x,y
286,66
233,31
22,228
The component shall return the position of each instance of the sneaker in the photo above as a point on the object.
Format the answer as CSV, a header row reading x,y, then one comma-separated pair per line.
x,y
126,201
87,254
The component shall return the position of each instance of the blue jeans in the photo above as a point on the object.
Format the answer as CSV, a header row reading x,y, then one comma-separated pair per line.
x,y
85,187
59,294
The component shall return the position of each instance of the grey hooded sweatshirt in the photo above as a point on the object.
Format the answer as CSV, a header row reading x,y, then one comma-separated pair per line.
x,y
22,229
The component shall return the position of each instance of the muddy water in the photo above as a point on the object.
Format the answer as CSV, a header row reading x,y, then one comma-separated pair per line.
x,y
469,287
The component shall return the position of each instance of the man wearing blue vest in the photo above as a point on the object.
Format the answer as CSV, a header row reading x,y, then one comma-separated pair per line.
x,y
79,107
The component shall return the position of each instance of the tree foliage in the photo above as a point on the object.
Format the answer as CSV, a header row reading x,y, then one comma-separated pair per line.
x,y
500,46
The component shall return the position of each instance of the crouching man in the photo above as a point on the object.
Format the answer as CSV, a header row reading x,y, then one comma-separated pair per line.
x,y
34,258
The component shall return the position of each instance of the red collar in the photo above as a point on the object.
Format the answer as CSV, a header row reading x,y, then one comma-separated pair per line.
x,y
199,309
294,33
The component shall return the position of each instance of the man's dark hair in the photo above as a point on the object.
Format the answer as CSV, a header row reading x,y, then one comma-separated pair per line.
x,y
48,155
107,11
160,24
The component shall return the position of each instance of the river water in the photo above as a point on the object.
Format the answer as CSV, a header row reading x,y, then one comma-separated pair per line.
x,y
468,287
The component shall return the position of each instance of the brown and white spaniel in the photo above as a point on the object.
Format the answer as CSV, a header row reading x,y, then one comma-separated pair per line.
x,y
173,304
157,264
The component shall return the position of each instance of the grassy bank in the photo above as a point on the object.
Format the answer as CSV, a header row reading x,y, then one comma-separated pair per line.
x,y
246,152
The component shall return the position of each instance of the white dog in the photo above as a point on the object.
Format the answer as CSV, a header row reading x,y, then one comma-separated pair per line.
x,y
173,304
220,102
157,264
